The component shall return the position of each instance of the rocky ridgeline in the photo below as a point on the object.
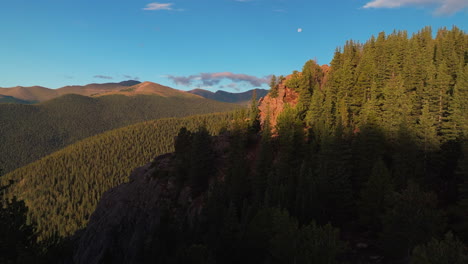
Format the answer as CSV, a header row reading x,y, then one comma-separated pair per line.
x,y
271,107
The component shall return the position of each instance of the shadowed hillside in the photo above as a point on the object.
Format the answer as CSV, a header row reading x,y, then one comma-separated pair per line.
x,y
4,99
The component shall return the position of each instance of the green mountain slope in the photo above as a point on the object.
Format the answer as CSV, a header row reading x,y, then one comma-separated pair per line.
x,y
29,132
62,189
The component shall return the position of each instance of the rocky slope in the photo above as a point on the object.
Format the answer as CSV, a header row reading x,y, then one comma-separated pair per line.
x,y
271,107
121,228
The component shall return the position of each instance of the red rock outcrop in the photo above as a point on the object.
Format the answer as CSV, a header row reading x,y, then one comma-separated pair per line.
x,y
272,107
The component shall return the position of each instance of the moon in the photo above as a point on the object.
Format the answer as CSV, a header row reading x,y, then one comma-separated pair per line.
x,y
299,30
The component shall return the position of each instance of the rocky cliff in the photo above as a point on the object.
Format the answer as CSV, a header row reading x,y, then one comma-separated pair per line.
x,y
133,218
270,107
128,217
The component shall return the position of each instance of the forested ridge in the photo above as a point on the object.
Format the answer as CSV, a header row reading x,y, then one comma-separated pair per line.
x,y
29,132
61,190
370,166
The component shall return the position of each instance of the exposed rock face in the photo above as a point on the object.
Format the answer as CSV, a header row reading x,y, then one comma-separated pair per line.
x,y
272,107
128,216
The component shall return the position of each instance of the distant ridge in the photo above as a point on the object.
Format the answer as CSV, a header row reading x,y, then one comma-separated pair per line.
x,y
10,99
149,88
36,94
223,96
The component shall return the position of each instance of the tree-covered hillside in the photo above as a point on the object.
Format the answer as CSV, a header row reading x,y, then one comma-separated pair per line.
x,y
5,99
29,132
370,166
61,190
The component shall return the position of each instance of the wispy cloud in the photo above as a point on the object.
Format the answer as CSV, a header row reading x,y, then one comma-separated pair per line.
x,y
158,6
103,77
444,7
211,79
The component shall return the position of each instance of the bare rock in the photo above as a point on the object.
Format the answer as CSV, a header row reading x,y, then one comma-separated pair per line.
x,y
271,107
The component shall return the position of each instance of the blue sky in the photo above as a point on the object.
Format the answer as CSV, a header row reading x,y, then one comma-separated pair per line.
x,y
212,44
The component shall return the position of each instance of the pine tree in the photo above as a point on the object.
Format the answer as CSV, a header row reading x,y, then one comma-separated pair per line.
x,y
412,219
427,129
375,195
449,250
263,164
319,244
273,87
459,105
396,106
201,161
254,114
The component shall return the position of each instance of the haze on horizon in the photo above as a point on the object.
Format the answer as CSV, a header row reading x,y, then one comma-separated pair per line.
x,y
232,45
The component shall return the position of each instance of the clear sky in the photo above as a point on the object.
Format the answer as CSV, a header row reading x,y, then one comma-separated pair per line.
x,y
212,44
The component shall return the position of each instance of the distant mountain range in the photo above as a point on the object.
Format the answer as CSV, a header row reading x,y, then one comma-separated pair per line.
x,y
223,96
37,94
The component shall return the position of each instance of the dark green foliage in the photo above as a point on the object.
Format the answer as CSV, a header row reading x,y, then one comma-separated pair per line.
x,y
274,86
254,113
449,250
17,237
277,237
319,244
30,132
5,99
375,196
200,162
412,219
333,180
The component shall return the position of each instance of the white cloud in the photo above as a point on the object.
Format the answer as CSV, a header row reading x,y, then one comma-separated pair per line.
x,y
158,6
299,30
215,78
443,6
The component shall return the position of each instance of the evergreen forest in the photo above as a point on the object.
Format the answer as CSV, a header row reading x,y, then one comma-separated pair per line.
x,y
61,190
369,166
30,132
